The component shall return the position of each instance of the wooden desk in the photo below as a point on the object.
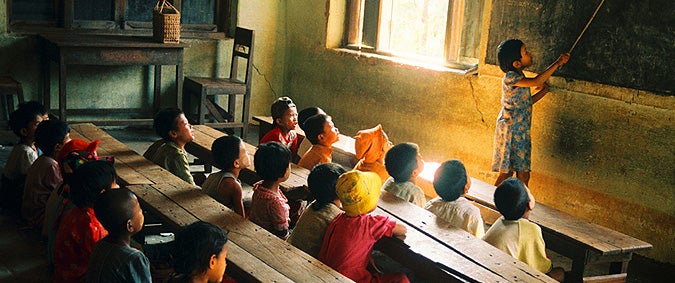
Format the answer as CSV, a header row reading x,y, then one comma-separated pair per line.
x,y
69,49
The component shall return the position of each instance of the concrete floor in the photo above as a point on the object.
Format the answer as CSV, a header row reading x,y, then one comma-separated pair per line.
x,y
23,253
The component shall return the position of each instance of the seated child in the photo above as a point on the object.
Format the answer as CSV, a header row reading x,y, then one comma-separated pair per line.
x,y
349,239
23,123
371,145
44,175
269,206
113,259
285,118
176,131
322,133
311,227
230,156
303,115
199,254
404,163
514,234
452,182
80,229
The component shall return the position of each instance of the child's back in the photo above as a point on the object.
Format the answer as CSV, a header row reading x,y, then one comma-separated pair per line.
x,y
404,163
269,206
230,155
371,145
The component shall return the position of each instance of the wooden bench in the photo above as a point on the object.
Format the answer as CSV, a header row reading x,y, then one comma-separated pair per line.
x,y
431,258
255,254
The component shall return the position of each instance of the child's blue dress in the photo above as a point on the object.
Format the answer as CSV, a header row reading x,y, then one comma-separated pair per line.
x,y
512,134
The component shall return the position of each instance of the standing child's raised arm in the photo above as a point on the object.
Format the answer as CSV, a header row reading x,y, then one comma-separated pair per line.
x,y
540,79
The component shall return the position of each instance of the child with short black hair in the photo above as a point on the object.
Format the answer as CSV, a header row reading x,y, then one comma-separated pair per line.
x,y
514,234
175,129
452,182
303,115
44,175
284,120
404,163
371,145
350,237
80,229
113,259
269,206
23,122
311,227
231,156
199,254
322,133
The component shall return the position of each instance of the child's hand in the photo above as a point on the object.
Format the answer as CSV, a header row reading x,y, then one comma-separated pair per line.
x,y
563,59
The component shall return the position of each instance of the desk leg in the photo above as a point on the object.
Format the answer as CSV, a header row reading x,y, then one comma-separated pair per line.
x,y
179,81
62,90
156,103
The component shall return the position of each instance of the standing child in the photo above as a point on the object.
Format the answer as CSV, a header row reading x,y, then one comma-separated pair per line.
x,y
513,144
322,133
23,122
44,175
452,182
269,206
113,259
176,131
199,254
284,119
303,115
311,227
404,163
349,239
371,145
231,157
514,234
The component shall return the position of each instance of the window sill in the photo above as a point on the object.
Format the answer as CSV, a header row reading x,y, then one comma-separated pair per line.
x,y
460,69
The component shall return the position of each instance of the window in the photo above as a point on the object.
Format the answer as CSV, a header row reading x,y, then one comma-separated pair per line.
x,y
443,32
198,17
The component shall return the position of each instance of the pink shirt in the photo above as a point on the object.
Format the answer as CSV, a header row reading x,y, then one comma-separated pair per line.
x,y
41,179
269,209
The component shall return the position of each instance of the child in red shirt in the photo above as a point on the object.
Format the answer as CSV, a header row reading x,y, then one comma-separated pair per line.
x,y
285,118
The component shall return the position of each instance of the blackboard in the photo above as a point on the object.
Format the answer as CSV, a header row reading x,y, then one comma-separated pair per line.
x,y
628,44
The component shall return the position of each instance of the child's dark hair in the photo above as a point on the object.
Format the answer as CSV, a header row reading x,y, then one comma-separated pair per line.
x,y
508,52
280,106
304,114
225,151
113,208
271,160
24,114
314,127
89,180
511,199
165,121
321,182
195,245
401,161
50,133
450,179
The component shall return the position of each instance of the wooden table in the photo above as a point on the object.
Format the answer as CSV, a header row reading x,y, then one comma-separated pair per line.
x,y
109,50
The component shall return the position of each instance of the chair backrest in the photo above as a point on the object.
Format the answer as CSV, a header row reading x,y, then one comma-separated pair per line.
x,y
242,49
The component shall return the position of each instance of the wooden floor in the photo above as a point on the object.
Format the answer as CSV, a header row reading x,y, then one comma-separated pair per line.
x,y
23,253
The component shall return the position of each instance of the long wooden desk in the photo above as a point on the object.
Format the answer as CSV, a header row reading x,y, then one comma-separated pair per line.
x,y
70,49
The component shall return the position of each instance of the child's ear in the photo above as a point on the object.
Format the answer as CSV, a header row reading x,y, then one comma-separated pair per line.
x,y
236,163
213,261
130,226
23,132
173,134
517,64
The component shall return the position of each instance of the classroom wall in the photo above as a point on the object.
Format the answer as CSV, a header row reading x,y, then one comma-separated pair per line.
x,y
602,153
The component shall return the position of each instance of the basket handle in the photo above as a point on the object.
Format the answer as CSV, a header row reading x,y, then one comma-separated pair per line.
x,y
168,4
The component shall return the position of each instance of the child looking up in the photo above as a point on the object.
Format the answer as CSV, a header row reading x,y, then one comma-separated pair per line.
x,y
349,239
311,227
176,131
80,229
322,133
371,145
303,115
199,254
23,122
230,156
513,144
404,163
44,175
113,259
514,234
269,206
285,118
452,182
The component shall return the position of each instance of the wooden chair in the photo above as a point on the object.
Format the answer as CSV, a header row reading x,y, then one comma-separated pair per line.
x,y
205,90
8,88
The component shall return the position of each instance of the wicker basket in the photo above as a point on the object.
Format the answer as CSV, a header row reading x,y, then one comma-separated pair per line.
x,y
165,22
